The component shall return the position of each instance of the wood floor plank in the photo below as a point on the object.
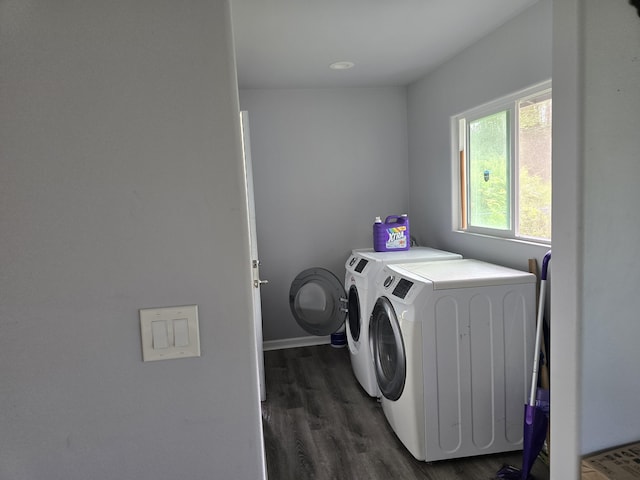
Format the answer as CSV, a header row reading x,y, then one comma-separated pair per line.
x,y
319,424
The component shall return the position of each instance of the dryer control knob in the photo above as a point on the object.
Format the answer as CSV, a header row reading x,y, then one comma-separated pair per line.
x,y
388,281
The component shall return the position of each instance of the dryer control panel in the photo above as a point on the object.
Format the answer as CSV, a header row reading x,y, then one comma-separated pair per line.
x,y
356,264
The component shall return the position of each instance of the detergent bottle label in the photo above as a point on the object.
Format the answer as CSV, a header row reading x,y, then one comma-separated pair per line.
x,y
396,238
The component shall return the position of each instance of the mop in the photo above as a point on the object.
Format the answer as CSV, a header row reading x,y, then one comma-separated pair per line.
x,y
535,414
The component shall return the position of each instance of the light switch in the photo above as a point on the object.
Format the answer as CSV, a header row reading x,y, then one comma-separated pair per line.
x,y
181,332
169,332
159,334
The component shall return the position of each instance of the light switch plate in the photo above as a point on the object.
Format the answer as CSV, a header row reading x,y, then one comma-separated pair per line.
x,y
169,332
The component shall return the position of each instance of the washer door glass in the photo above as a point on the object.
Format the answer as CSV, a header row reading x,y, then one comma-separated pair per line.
x,y
318,301
355,322
388,351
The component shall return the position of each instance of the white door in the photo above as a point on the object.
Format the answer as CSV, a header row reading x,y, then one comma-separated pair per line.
x,y
255,262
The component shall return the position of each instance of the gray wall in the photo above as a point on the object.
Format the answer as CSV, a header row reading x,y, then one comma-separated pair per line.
x,y
597,83
326,162
515,56
567,239
122,188
596,78
611,304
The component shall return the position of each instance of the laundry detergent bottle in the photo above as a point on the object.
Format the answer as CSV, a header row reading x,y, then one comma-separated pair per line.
x,y
392,235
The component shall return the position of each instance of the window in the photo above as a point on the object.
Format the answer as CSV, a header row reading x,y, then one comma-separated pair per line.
x,y
502,167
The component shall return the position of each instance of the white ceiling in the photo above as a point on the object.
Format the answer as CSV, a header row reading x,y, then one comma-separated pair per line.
x,y
291,43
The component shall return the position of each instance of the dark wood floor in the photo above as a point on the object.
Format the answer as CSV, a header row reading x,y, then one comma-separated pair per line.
x,y
319,424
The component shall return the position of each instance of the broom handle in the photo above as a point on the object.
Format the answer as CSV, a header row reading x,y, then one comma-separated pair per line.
x,y
539,325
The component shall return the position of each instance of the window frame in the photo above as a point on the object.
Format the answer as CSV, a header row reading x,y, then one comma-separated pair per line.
x,y
460,149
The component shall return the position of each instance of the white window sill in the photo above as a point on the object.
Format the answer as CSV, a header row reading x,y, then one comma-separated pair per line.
x,y
532,243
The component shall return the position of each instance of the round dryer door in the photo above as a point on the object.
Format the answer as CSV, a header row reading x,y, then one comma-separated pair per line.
x,y
318,301
387,348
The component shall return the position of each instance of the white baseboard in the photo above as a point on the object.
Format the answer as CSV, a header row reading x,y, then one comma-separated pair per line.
x,y
295,342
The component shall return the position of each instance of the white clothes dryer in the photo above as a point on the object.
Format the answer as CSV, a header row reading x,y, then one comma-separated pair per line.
x,y
362,268
451,343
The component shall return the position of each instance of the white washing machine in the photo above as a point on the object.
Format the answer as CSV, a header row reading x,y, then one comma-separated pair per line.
x,y
451,343
362,268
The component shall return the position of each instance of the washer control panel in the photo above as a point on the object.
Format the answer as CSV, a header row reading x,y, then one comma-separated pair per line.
x,y
402,288
397,286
